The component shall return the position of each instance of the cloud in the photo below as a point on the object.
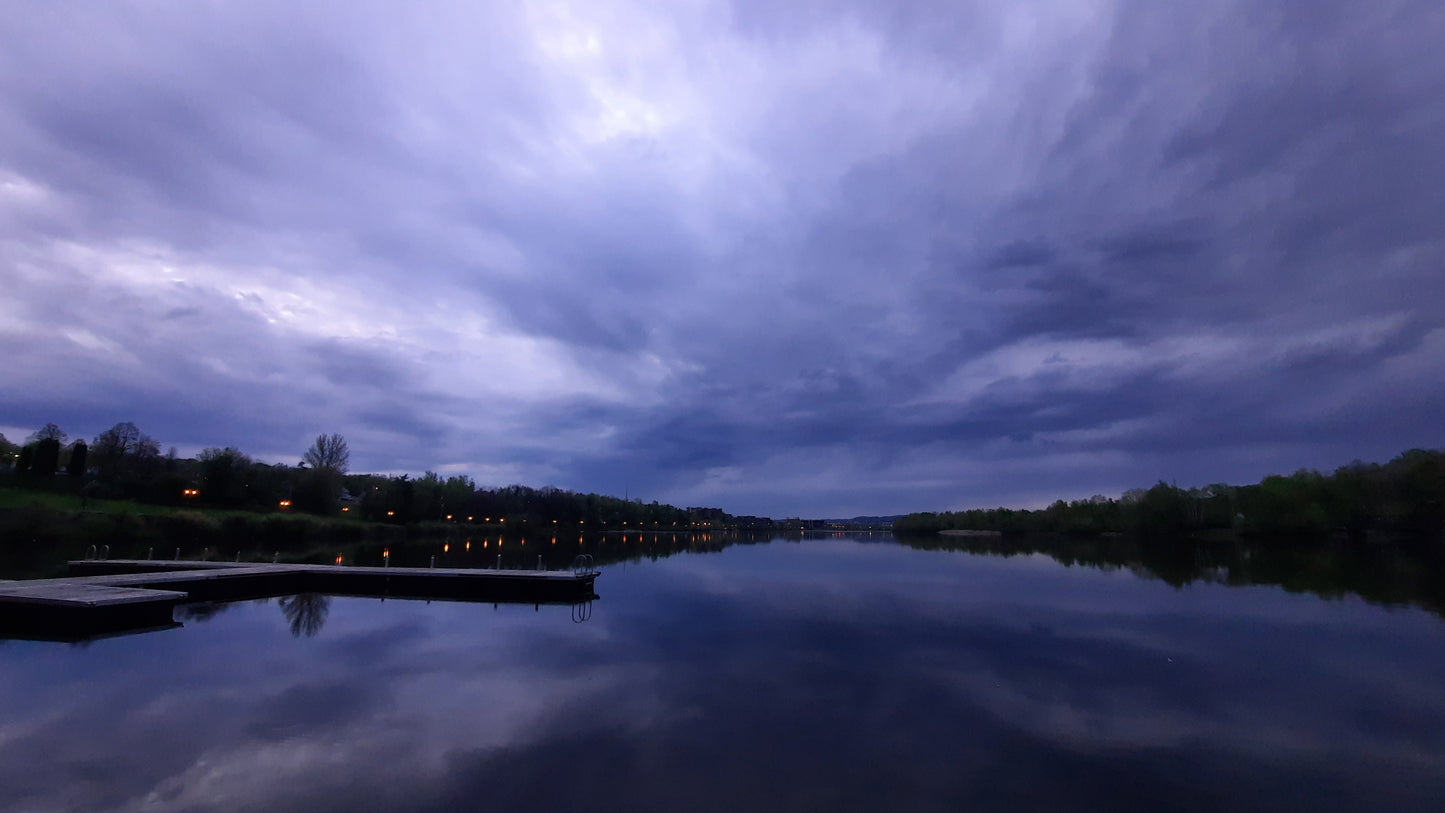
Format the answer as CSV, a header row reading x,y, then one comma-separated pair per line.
x,y
626,247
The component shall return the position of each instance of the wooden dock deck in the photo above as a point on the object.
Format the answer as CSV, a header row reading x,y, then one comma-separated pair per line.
x,y
108,596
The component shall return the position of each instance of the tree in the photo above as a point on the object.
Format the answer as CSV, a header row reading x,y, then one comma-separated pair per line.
x,y
76,466
125,456
224,473
124,440
319,489
47,457
328,453
8,451
47,432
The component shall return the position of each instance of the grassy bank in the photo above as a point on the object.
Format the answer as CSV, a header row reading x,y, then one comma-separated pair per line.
x,y
38,529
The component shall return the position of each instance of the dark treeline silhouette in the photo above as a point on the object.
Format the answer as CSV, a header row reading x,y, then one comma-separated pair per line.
x,y
1404,497
430,498
125,463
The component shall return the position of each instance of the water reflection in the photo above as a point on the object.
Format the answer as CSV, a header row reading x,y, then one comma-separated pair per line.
x,y
201,610
833,675
1385,574
306,613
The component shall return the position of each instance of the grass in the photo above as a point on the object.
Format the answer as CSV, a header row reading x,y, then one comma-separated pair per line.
x,y
70,503
12,498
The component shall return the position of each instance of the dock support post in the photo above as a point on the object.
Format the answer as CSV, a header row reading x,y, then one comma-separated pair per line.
x,y
499,561
178,554
433,561
150,553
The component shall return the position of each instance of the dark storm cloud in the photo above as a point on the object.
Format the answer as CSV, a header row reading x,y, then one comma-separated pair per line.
x,y
796,258
1022,254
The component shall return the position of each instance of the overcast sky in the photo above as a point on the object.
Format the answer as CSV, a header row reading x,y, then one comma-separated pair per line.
x,y
784,258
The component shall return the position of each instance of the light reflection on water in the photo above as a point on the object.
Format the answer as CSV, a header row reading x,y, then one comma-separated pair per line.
x,y
823,675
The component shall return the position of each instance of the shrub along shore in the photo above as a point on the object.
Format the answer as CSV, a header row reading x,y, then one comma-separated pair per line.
x,y
1403,499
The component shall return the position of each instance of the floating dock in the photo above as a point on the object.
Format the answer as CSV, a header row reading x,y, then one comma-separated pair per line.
x,y
114,596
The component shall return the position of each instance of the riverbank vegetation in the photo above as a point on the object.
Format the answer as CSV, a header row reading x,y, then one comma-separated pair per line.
x,y
120,493
123,469
1401,499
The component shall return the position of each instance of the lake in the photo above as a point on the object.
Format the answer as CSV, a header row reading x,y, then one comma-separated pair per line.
x,y
832,673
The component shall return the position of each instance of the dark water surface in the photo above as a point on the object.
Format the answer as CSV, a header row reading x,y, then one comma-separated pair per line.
x,y
823,675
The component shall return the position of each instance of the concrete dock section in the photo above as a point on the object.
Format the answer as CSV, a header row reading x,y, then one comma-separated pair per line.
x,y
103,597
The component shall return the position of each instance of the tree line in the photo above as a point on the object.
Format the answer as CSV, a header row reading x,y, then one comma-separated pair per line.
x,y
125,463
1404,497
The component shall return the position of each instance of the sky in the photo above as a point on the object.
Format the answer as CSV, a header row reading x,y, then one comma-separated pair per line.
x,y
804,258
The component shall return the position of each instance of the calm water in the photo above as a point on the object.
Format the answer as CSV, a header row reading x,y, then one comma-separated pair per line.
x,y
827,675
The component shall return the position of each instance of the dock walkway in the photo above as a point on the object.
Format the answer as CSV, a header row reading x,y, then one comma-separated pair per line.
x,y
103,596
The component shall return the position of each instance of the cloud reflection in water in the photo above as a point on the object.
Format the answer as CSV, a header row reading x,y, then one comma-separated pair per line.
x,y
827,675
